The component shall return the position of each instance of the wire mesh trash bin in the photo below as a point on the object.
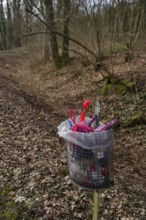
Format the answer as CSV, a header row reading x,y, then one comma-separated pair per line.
x,y
91,169
90,157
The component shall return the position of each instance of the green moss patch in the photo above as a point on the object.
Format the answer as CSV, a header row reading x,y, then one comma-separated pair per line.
x,y
116,85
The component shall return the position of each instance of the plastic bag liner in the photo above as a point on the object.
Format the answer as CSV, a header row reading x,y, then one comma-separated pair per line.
x,y
89,140
89,157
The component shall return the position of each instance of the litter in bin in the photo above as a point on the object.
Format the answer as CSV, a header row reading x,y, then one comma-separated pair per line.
x,y
89,147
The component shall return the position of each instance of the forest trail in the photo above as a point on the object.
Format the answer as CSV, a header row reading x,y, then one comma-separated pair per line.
x,y
33,160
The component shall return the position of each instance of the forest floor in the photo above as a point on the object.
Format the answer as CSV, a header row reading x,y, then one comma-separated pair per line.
x,y
34,100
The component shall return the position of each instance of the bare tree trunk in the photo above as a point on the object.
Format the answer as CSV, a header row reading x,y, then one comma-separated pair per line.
x,y
17,23
3,33
65,41
27,19
135,24
46,45
53,37
9,26
59,9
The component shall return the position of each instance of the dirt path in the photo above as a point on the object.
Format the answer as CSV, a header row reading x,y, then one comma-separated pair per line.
x,y
29,146
33,160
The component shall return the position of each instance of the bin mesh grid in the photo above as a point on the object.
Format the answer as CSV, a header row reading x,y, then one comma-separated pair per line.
x,y
90,169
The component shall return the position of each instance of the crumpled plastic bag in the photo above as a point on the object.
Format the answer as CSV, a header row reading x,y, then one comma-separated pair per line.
x,y
91,140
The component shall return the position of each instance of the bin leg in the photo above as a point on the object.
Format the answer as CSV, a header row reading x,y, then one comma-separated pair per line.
x,y
95,209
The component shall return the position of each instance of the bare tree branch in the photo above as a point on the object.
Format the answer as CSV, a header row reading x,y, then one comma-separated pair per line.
x,y
59,34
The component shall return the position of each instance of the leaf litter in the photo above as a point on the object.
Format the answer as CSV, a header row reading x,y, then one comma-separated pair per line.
x,y
33,159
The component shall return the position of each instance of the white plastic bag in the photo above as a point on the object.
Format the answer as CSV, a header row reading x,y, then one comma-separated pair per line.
x,y
91,140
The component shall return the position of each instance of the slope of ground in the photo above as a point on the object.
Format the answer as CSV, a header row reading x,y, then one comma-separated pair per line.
x,y
33,161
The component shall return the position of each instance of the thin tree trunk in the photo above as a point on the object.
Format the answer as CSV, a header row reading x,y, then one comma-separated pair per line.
x,y
135,24
17,22
9,26
65,42
46,49
3,31
53,37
